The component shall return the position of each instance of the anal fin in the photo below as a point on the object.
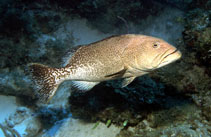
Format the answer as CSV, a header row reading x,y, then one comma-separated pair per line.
x,y
127,81
84,85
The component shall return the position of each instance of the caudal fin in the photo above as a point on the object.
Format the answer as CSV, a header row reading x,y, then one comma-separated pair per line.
x,y
46,80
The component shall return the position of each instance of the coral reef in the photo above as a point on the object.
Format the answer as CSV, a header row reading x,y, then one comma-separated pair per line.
x,y
197,39
173,101
197,34
84,8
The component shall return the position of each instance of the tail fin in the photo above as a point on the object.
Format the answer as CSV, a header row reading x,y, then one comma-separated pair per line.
x,y
46,79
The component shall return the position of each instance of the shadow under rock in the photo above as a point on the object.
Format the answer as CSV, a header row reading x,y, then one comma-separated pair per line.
x,y
47,115
131,103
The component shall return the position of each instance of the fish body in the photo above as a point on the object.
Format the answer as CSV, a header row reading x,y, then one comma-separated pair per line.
x,y
124,56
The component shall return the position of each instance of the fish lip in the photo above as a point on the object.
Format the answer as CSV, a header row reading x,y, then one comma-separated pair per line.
x,y
163,60
175,51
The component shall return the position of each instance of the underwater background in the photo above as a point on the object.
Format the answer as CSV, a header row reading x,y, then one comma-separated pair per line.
x,y
174,101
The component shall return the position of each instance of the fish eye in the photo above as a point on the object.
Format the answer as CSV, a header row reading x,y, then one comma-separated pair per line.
x,y
156,45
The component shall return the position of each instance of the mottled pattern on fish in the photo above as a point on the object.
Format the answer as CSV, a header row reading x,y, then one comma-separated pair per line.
x,y
95,61
124,56
47,79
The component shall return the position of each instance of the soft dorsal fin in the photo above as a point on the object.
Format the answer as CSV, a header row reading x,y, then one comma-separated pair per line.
x,y
69,55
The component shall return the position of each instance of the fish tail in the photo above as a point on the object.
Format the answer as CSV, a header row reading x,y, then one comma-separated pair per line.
x,y
46,80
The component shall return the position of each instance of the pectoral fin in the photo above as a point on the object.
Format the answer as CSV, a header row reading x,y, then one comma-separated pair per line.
x,y
117,74
127,81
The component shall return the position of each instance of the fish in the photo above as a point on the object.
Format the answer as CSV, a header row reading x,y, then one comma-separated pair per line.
x,y
124,57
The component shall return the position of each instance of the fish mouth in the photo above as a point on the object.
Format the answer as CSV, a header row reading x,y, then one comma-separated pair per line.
x,y
171,57
175,51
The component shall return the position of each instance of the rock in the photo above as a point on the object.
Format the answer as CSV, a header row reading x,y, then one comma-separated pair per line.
x,y
143,90
15,82
17,119
204,4
197,35
76,128
197,38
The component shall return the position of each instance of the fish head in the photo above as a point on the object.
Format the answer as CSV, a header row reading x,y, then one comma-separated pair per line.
x,y
155,53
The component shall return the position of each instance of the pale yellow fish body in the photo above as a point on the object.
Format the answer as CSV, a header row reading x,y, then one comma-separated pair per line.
x,y
125,56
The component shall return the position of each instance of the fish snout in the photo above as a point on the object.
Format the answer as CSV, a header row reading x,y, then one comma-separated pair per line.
x,y
179,54
176,54
170,57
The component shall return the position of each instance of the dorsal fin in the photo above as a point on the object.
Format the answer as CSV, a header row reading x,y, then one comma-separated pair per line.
x,y
69,54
